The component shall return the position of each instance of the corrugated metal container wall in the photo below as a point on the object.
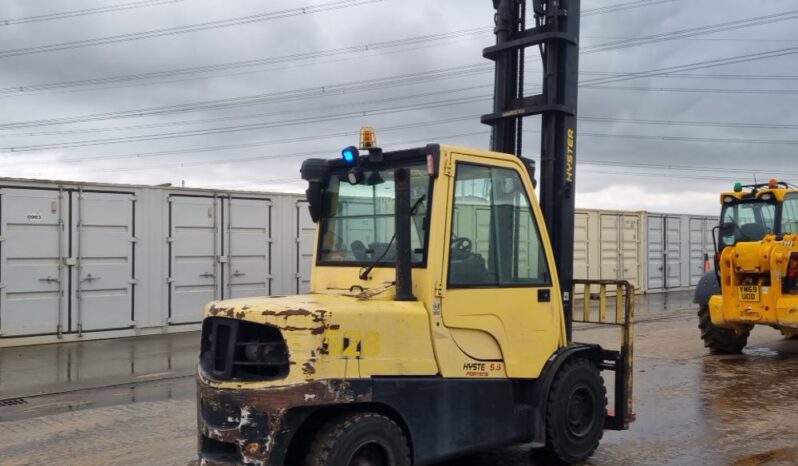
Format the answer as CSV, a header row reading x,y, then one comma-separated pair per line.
x,y
100,260
609,245
677,248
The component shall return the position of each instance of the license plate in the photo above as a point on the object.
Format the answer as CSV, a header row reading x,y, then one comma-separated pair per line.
x,y
748,293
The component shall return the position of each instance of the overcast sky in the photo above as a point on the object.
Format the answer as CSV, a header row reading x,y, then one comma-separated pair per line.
x,y
92,95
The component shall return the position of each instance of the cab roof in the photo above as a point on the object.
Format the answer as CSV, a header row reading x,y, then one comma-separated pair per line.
x,y
751,192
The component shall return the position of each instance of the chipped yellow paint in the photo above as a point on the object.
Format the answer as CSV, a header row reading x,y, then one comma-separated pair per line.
x,y
315,327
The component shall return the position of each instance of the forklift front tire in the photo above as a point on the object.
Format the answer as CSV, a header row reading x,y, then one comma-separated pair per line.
x,y
357,439
576,412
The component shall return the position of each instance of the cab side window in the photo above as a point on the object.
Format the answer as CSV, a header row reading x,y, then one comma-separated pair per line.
x,y
789,214
495,239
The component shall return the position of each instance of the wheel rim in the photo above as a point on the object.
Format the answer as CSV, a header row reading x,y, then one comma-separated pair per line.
x,y
369,454
580,415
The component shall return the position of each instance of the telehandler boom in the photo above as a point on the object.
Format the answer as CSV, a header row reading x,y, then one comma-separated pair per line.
x,y
439,316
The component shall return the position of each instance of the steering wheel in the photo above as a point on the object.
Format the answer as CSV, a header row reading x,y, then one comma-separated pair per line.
x,y
462,245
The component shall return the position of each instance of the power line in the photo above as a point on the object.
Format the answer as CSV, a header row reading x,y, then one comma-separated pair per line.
x,y
337,117
707,39
172,124
694,123
692,32
16,90
272,97
246,145
597,162
694,66
397,43
484,97
249,19
85,12
344,116
714,76
246,127
623,6
383,83
700,90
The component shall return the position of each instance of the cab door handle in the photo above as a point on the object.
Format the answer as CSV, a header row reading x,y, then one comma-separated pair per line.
x,y
544,296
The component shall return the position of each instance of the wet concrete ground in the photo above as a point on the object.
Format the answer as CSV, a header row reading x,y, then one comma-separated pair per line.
x,y
131,401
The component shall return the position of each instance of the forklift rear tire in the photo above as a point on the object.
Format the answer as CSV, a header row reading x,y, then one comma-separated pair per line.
x,y
576,412
719,340
359,439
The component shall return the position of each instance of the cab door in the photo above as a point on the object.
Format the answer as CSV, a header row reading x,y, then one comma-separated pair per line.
x,y
501,295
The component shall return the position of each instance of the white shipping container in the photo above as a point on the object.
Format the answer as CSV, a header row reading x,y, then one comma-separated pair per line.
x,y
677,248
92,260
608,245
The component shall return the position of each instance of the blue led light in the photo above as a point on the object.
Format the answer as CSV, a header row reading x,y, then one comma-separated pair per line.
x,y
350,154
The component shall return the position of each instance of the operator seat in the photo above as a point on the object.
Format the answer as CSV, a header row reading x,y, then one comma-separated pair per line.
x,y
752,232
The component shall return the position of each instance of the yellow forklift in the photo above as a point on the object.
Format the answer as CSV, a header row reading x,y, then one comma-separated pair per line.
x,y
756,267
439,319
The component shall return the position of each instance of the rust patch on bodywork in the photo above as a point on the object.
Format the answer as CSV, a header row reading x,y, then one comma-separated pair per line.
x,y
308,368
228,311
288,313
255,419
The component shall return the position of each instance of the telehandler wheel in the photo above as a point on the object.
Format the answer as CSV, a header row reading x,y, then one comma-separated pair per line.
x,y
359,439
789,336
719,340
576,412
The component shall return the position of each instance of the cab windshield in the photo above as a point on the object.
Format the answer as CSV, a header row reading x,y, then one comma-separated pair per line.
x,y
357,220
746,221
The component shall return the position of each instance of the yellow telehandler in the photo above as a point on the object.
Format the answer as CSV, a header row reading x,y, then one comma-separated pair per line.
x,y
756,267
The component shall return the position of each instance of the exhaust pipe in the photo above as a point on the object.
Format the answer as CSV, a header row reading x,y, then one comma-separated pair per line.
x,y
404,279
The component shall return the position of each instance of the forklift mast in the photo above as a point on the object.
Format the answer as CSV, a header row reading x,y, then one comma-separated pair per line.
x,y
556,33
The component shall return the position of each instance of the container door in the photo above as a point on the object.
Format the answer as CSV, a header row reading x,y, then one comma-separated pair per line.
x,y
610,253
581,246
630,247
673,252
656,253
247,271
31,266
698,248
305,235
194,248
103,247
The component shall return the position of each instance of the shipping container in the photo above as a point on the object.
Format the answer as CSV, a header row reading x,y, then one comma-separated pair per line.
x,y
608,245
92,260
678,247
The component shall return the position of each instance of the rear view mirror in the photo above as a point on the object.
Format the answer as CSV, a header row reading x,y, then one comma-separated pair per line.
x,y
315,172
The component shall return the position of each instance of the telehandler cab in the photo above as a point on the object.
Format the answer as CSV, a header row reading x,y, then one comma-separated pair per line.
x,y
756,267
439,316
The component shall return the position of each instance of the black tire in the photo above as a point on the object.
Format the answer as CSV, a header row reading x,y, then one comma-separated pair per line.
x,y
720,340
575,413
359,439
784,334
